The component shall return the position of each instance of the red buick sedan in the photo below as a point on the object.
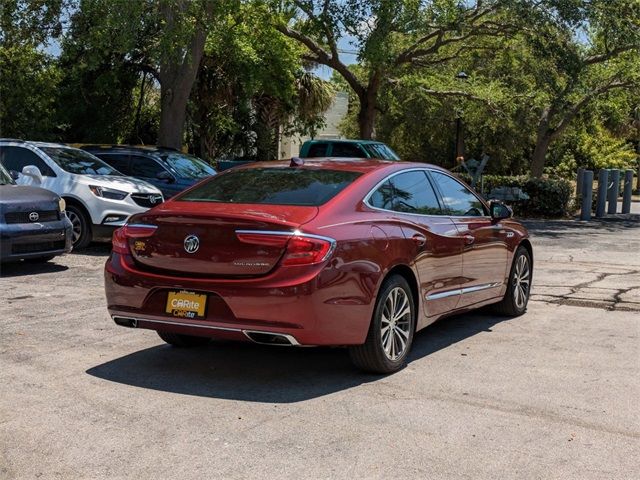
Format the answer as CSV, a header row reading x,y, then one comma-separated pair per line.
x,y
357,253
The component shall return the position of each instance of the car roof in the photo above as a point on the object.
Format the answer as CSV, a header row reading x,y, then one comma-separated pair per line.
x,y
362,165
345,140
134,148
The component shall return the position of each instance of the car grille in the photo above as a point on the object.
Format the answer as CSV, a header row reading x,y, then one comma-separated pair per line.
x,y
23,217
147,199
37,247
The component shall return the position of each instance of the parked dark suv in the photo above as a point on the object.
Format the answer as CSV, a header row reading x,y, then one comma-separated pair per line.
x,y
169,170
33,224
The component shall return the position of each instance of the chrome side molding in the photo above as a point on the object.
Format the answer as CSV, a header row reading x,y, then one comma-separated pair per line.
x,y
462,291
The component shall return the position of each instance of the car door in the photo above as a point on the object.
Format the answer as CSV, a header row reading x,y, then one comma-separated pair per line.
x,y
485,251
435,243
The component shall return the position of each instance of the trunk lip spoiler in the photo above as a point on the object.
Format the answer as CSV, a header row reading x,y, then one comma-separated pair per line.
x,y
295,233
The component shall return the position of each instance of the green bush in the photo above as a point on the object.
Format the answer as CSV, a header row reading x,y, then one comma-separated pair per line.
x,y
548,197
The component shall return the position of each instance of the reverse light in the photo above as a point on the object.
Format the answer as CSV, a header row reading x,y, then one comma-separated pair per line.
x,y
110,193
121,236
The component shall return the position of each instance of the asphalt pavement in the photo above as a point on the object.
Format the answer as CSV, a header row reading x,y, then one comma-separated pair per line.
x,y
551,394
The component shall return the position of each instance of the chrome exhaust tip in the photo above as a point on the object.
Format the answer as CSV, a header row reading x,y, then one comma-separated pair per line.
x,y
271,338
126,322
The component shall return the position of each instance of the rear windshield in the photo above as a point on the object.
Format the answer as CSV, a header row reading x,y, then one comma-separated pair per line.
x,y
188,166
276,186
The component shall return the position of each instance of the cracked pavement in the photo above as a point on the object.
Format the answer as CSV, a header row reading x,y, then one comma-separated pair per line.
x,y
551,394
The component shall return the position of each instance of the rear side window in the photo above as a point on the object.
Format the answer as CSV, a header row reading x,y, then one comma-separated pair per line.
x,y
317,150
341,149
275,186
118,161
409,192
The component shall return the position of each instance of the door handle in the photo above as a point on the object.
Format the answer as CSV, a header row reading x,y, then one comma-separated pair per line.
x,y
419,239
469,239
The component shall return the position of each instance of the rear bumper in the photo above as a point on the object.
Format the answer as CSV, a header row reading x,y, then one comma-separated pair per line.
x,y
35,240
312,309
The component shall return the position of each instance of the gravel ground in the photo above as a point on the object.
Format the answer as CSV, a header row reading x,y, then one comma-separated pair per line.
x,y
552,394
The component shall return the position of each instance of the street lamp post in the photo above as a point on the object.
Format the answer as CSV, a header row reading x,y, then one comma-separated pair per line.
x,y
459,155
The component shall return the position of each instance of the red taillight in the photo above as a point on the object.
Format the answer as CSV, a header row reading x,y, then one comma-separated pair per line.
x,y
121,236
303,250
267,239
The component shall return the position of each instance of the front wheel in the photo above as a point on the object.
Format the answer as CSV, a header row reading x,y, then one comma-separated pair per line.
x,y
81,232
183,341
391,331
516,298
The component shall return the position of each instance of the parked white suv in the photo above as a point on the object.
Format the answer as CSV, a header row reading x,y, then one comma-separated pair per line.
x,y
98,197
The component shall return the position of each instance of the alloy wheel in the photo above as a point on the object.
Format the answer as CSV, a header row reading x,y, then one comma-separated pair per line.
x,y
521,282
395,326
77,226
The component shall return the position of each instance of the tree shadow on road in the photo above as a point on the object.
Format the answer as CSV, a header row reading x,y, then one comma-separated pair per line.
x,y
255,373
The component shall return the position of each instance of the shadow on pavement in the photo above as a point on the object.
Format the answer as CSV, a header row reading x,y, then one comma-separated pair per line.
x,y
19,269
557,228
255,373
95,250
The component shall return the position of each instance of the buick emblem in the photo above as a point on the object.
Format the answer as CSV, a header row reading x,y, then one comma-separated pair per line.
x,y
191,244
154,199
33,216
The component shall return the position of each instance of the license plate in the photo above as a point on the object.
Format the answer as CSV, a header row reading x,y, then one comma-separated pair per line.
x,y
185,304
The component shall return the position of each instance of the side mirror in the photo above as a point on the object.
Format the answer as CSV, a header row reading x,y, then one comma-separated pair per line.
x,y
33,172
165,176
15,175
499,210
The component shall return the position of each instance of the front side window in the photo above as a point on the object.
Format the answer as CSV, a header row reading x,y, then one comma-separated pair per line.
x,y
275,186
408,192
458,198
187,166
79,162
145,167
16,158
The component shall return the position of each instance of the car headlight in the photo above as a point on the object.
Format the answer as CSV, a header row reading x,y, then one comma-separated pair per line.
x,y
109,193
62,205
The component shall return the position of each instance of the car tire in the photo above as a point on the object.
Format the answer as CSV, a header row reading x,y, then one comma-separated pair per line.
x,y
514,302
39,259
81,231
392,328
183,341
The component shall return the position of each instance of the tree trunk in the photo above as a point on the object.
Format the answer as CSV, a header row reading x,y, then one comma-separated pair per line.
x,y
173,112
368,102
177,75
539,154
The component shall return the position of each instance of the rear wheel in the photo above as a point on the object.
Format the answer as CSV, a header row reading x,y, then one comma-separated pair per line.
x,y
516,298
183,341
391,331
81,232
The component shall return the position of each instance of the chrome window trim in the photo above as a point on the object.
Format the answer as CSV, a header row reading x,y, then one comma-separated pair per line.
x,y
418,169
296,233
